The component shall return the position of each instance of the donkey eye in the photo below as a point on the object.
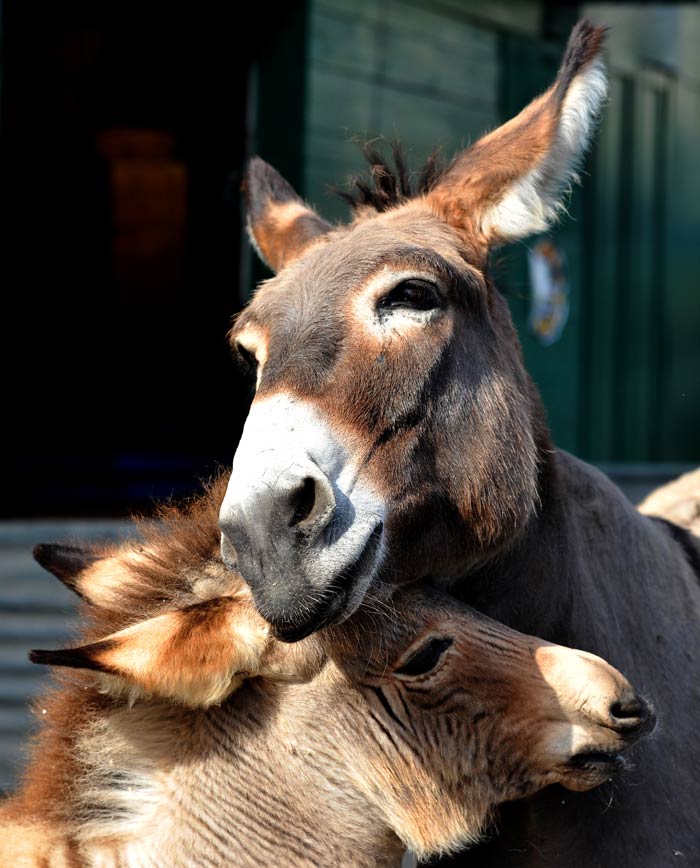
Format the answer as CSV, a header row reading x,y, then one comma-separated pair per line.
x,y
425,658
412,295
247,357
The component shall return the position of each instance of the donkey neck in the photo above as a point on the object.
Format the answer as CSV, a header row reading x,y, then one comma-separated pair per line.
x,y
255,782
586,569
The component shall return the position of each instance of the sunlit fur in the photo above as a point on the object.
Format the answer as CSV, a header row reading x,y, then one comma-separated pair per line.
x,y
322,755
677,501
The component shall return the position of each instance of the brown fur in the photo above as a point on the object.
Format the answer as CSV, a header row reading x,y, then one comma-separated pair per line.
x,y
387,758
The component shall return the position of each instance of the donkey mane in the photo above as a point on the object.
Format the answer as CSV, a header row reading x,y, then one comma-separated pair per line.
x,y
388,182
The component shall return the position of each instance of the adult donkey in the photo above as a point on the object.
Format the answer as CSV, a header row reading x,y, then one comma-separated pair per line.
x,y
395,435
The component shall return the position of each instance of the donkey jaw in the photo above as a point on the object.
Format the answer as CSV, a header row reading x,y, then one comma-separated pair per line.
x,y
299,523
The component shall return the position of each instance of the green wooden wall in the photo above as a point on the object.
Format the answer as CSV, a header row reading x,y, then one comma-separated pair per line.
x,y
622,384
396,69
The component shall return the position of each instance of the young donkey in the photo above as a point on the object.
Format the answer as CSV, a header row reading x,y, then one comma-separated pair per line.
x,y
395,436
401,727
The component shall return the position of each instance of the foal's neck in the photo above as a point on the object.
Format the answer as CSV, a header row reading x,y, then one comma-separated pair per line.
x,y
255,782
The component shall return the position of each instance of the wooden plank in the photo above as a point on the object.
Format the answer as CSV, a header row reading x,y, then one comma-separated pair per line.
x,y
336,101
638,358
432,55
344,40
523,16
424,122
599,393
453,34
681,423
371,10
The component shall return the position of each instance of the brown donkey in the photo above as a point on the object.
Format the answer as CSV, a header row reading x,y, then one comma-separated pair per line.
x,y
397,728
395,436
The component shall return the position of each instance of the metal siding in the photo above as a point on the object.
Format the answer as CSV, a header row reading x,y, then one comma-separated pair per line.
x,y
36,611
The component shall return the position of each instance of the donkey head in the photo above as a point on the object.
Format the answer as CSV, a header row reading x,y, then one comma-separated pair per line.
x,y
461,713
450,712
393,420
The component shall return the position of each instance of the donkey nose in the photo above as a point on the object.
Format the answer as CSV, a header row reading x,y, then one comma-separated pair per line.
x,y
631,716
286,500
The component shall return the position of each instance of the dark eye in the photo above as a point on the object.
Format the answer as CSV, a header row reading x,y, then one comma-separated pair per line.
x,y
425,658
247,357
411,295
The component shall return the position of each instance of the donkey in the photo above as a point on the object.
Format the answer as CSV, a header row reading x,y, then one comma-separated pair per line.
x,y
395,437
677,501
400,727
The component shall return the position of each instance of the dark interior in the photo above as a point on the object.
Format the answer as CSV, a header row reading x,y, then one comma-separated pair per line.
x,y
123,139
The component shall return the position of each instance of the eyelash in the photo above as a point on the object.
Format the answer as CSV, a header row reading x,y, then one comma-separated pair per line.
x,y
411,294
426,658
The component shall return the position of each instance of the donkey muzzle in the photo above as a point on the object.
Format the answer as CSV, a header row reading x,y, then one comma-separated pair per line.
x,y
602,713
298,524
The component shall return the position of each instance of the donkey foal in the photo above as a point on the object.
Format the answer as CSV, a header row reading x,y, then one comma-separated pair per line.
x,y
402,727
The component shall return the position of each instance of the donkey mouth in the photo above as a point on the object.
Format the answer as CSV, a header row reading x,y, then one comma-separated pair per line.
x,y
341,597
606,762
591,768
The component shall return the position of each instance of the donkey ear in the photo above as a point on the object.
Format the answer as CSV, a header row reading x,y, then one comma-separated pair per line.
x,y
511,182
281,225
197,655
65,562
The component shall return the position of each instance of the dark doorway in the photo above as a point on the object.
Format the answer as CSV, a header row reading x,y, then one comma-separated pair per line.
x,y
122,124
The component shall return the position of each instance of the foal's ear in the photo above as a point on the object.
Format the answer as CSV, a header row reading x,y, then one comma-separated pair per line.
x,y
281,225
66,562
97,577
511,182
197,655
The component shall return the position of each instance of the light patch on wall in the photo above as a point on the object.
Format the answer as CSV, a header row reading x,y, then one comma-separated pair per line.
x,y
549,291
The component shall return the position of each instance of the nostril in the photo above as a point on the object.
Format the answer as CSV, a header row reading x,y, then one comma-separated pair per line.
x,y
303,502
630,714
628,708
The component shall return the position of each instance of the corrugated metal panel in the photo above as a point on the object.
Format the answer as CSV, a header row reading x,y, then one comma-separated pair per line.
x,y
36,611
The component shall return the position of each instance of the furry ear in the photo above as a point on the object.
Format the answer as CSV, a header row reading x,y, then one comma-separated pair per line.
x,y
510,184
66,562
96,577
197,656
281,225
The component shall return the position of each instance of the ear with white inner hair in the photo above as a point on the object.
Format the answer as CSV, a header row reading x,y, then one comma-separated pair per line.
x,y
510,184
280,224
196,656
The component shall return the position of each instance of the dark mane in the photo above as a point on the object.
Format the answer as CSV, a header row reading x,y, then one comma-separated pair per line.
x,y
388,182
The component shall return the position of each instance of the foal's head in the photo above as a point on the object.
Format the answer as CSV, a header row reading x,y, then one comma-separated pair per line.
x,y
433,713
393,422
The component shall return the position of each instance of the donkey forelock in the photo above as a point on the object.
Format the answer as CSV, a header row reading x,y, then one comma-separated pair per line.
x,y
395,434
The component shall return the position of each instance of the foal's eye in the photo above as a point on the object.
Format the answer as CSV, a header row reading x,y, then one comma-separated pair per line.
x,y
411,295
425,658
247,357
